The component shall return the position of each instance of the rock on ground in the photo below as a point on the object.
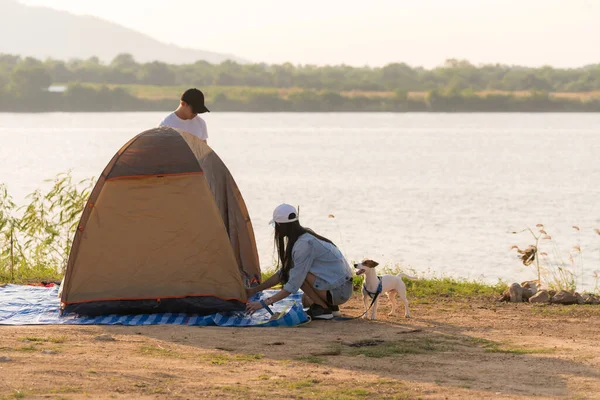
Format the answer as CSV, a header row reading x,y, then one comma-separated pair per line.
x,y
564,297
516,293
540,297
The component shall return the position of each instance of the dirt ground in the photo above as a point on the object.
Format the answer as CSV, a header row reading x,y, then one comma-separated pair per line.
x,y
450,349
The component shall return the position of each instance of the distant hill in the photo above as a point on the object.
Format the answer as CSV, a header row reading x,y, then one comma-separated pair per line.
x,y
44,32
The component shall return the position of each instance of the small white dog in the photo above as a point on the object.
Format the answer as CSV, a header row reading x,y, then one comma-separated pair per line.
x,y
390,285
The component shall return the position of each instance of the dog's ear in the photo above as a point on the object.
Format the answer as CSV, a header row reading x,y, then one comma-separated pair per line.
x,y
370,263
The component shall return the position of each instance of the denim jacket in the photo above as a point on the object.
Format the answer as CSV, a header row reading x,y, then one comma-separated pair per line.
x,y
320,258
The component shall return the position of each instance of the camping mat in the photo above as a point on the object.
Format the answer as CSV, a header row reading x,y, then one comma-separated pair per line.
x,y
32,305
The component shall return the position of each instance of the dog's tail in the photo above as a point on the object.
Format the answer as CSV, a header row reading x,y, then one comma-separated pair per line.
x,y
403,275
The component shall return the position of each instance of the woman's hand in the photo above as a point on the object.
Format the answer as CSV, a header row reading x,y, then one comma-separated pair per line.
x,y
253,306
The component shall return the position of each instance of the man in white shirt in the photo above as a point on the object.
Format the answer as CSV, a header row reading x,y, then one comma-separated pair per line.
x,y
186,116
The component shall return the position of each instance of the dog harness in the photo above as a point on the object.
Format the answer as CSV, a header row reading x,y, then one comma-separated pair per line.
x,y
376,293
372,295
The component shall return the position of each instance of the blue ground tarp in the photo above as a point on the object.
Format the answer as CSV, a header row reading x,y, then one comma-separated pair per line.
x,y
32,305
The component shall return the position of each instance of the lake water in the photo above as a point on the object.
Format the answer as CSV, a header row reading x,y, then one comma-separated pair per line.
x,y
431,192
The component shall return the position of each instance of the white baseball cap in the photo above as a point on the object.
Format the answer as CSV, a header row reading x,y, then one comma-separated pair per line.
x,y
283,214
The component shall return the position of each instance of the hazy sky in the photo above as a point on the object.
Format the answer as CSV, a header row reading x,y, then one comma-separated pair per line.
x,y
562,33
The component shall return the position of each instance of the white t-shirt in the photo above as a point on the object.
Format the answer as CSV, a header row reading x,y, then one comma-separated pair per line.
x,y
196,126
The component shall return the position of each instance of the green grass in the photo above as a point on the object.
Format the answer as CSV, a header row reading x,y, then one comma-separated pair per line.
x,y
17,394
51,339
491,346
155,351
311,359
355,393
57,339
247,357
317,389
31,347
299,384
425,287
223,359
32,339
452,287
30,274
431,287
311,388
217,359
389,349
518,351
66,389
211,358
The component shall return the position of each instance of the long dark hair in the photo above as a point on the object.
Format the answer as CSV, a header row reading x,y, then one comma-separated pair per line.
x,y
286,236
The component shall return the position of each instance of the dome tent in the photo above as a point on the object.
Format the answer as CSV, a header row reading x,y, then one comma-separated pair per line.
x,y
165,230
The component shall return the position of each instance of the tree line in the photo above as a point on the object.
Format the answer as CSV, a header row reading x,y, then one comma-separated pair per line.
x,y
85,98
451,76
454,87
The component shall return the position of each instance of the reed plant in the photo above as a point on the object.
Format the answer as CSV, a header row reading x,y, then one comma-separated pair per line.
x,y
35,239
555,269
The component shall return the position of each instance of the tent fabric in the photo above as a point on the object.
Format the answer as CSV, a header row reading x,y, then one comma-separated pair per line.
x,y
233,211
161,233
231,205
178,235
156,152
29,305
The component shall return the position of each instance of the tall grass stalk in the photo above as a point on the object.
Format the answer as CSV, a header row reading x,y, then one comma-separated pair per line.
x,y
35,239
553,269
7,226
530,254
